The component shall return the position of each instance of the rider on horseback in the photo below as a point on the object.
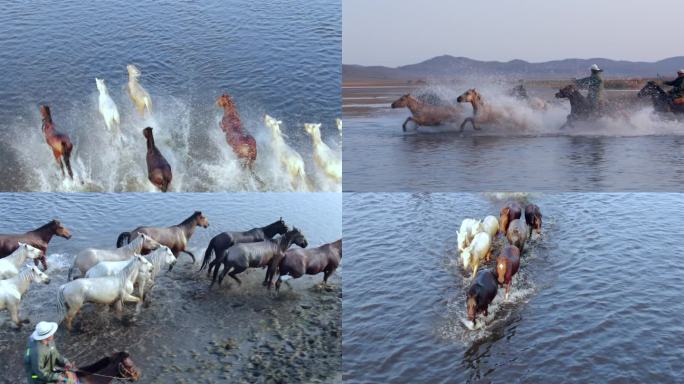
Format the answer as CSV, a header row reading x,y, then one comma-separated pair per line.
x,y
677,85
519,91
44,363
594,85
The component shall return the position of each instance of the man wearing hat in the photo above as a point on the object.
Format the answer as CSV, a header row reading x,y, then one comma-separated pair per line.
x,y
677,85
44,363
594,84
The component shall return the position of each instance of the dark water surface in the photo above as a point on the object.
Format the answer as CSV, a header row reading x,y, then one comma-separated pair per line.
x,y
180,336
280,58
597,297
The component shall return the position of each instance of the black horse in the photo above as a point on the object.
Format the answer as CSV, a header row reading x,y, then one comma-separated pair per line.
x,y
662,102
580,109
119,366
219,243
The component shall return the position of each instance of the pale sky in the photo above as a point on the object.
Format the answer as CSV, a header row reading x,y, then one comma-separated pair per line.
x,y
398,32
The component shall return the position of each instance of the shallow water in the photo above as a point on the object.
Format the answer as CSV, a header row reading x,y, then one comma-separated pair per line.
x,y
180,335
640,153
278,58
597,297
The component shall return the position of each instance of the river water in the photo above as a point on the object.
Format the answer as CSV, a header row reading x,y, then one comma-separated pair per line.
x,y
179,337
277,58
597,297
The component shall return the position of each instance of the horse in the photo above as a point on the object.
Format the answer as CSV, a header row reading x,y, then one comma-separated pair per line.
x,y
59,142
260,254
466,232
517,233
509,212
425,114
13,289
119,366
327,160
533,218
580,109
224,240
479,249
158,169
507,265
107,290
483,113
90,257
338,124
108,109
153,263
310,261
141,99
11,265
289,159
481,293
661,100
38,238
489,225
175,237
242,143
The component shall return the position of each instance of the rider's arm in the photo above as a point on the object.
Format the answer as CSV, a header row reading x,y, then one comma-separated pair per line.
x,y
584,82
40,371
670,83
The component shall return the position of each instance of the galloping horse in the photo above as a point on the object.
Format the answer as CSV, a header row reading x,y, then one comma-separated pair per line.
x,y
175,237
12,290
311,261
38,238
483,113
138,94
108,109
426,114
265,253
89,257
118,366
158,169
59,142
243,143
327,160
289,159
661,100
219,243
579,106
11,265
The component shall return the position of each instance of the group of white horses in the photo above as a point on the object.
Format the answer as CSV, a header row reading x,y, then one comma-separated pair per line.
x,y
108,277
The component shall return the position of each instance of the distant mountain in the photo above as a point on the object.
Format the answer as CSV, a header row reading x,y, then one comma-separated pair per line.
x,y
455,67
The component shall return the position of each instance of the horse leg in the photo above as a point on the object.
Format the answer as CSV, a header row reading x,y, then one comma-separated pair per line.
x,y
191,255
234,272
13,308
465,121
403,126
58,158
67,157
277,285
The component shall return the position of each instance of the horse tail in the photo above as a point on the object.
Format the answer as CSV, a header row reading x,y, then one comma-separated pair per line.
x,y
148,103
61,303
71,270
123,236
207,254
67,146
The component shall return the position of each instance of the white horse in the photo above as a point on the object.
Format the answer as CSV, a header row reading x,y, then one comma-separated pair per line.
x,y
325,158
87,258
12,290
290,159
469,227
490,225
138,94
10,265
107,290
478,250
108,109
338,123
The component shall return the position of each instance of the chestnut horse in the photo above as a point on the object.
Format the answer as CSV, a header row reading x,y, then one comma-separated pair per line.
x,y
118,366
484,113
175,237
38,238
158,169
511,211
311,261
426,114
59,142
243,143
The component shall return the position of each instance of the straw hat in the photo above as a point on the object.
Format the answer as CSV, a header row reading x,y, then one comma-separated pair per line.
x,y
44,329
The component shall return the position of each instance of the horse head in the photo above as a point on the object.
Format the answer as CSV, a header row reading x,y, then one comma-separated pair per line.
x,y
650,89
147,242
314,130
225,101
469,96
100,85
295,236
29,251
37,275
133,71
201,220
59,229
402,102
566,92
126,368
45,113
471,306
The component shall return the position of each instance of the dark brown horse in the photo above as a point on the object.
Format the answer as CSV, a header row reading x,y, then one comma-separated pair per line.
x,y
509,212
38,238
119,366
426,114
481,293
311,261
175,237
243,143
158,169
662,102
533,218
59,142
580,109
225,240
507,265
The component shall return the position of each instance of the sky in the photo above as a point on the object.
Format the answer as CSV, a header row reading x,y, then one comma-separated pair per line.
x,y
399,32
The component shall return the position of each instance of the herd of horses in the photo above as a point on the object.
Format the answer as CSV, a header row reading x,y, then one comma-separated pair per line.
x,y
109,276
159,171
425,113
476,244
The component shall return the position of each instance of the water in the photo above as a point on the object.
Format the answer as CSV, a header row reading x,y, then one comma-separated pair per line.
x,y
184,320
597,297
640,153
279,58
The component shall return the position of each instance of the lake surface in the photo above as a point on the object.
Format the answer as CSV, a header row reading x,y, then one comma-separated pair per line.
x,y
179,337
597,297
277,58
641,153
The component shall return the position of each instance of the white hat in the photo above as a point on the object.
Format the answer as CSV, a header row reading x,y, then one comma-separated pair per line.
x,y
44,329
681,71
595,67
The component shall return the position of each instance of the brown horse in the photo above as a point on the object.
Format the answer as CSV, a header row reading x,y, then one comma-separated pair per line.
x,y
426,114
118,366
311,261
509,212
38,238
243,143
158,169
484,113
175,237
59,142
533,218
507,265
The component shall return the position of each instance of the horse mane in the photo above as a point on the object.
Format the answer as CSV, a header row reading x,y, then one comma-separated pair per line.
x,y
155,258
123,275
191,218
271,226
25,274
130,245
46,225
